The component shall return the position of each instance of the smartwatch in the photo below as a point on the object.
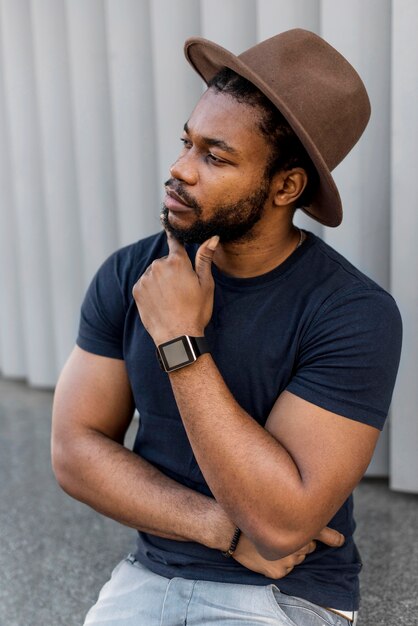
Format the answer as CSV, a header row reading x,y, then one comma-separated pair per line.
x,y
181,351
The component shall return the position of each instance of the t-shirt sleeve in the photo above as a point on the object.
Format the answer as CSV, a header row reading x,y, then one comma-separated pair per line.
x,y
349,356
103,313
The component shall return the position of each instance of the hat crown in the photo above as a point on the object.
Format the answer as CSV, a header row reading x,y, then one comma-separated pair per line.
x,y
317,85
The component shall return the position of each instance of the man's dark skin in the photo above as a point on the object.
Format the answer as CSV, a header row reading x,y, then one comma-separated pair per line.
x,y
304,463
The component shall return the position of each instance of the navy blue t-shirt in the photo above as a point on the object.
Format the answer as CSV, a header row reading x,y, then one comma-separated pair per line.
x,y
314,325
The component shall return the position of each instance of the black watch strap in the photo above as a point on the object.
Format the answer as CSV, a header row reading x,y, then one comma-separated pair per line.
x,y
200,344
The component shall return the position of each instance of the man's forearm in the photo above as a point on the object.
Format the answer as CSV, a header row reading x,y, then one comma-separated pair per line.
x,y
121,485
240,460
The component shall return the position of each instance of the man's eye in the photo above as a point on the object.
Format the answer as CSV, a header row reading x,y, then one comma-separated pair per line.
x,y
214,158
185,142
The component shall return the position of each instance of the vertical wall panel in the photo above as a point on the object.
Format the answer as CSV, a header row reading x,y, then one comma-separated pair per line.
x,y
93,97
22,112
177,86
92,123
12,361
133,115
59,174
404,433
361,32
275,16
222,23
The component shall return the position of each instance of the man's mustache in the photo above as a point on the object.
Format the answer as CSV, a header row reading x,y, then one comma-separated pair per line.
x,y
174,185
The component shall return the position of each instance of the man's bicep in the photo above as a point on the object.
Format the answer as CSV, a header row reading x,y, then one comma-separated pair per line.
x,y
93,392
331,452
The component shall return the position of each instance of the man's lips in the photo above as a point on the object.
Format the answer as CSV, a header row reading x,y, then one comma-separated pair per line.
x,y
174,202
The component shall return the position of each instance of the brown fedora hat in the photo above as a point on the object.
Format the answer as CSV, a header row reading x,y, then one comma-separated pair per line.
x,y
316,90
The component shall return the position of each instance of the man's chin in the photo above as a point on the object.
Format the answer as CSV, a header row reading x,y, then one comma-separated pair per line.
x,y
200,231
191,235
184,236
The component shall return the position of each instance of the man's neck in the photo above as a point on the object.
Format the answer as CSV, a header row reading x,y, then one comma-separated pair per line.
x,y
259,255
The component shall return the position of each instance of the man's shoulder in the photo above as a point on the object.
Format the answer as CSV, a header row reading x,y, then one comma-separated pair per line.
x,y
340,286
121,270
328,264
109,296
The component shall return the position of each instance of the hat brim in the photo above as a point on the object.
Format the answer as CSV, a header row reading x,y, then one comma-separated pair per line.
x,y
208,58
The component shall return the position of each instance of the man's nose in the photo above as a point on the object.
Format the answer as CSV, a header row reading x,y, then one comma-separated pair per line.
x,y
184,169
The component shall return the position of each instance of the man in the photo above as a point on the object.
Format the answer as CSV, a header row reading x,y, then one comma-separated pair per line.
x,y
274,369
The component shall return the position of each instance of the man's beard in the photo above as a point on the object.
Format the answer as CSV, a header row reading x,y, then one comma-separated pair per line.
x,y
231,222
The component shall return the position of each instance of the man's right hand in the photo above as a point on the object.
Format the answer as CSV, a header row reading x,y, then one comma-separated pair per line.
x,y
247,555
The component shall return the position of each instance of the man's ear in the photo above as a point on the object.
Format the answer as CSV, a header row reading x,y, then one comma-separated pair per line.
x,y
288,186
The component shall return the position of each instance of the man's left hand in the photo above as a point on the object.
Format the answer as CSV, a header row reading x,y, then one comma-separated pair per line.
x,y
172,298
247,554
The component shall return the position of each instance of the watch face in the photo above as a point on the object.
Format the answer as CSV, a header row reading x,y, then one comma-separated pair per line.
x,y
176,353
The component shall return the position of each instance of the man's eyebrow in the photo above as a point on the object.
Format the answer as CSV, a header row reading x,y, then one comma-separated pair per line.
x,y
211,141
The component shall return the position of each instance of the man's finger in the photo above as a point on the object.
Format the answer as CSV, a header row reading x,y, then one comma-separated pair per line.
x,y
310,547
331,537
204,257
174,246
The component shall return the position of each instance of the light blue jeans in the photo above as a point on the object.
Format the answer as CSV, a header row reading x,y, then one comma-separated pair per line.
x,y
134,596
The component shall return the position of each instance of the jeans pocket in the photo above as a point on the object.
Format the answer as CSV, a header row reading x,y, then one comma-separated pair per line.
x,y
301,612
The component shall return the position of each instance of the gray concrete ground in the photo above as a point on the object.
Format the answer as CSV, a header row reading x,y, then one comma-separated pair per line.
x,y
55,553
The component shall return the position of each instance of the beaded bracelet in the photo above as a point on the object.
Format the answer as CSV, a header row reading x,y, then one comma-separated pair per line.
x,y
234,543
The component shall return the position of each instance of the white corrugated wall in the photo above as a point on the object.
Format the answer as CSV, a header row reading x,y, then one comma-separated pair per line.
x,y
93,95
